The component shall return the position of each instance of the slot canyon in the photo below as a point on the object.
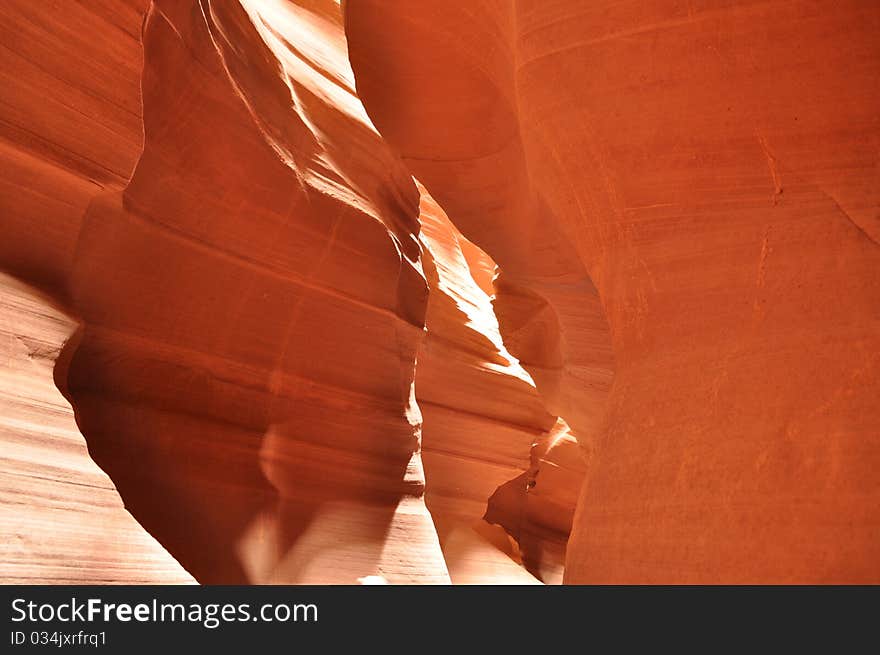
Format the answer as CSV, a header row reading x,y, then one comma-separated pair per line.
x,y
440,291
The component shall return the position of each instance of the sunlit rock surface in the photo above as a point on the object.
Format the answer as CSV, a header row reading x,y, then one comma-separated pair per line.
x,y
63,522
247,284
482,414
636,300
70,128
702,179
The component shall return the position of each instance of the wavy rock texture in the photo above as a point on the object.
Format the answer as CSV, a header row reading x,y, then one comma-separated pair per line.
x,y
283,353
481,411
274,289
703,177
253,273
486,432
70,127
63,522
537,507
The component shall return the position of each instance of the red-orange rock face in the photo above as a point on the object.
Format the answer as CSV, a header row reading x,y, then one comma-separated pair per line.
x,y
252,286
297,364
712,168
70,127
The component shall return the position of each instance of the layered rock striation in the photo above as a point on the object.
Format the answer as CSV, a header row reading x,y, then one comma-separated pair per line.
x,y
248,286
681,197
631,297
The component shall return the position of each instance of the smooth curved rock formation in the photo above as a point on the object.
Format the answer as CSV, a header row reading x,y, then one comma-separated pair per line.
x,y
712,168
70,127
482,414
296,364
537,507
252,287
63,522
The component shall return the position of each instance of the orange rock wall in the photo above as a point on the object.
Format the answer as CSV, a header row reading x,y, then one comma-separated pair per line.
x,y
70,128
246,272
296,364
482,414
710,168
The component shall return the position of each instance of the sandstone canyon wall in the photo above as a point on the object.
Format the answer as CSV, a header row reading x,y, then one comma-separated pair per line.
x,y
70,127
248,296
484,423
294,363
703,175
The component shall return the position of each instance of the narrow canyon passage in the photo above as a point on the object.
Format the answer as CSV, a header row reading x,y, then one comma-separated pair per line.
x,y
713,169
502,292
276,337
